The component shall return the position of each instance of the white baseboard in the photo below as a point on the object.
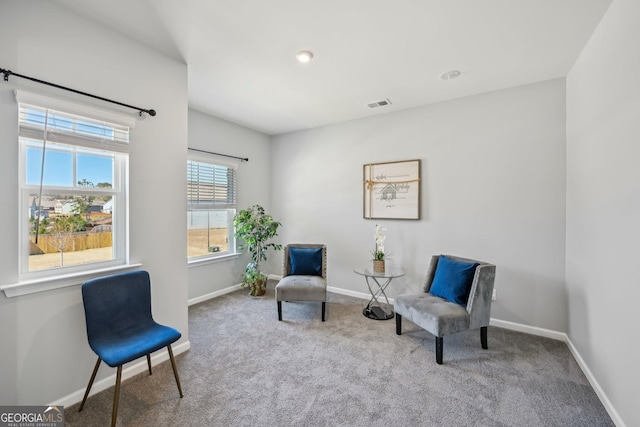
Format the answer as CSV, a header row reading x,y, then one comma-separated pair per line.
x,y
533,330
347,292
271,278
128,372
275,277
213,295
615,417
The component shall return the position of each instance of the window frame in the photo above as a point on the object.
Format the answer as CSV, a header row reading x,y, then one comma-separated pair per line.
x,y
80,145
229,207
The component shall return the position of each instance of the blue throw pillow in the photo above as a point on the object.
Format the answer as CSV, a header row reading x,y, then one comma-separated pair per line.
x,y
453,280
305,261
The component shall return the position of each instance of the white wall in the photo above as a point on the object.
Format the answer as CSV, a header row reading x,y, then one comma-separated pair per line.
x,y
45,355
213,134
603,205
493,188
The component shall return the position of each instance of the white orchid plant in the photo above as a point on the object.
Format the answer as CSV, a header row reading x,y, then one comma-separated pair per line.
x,y
378,254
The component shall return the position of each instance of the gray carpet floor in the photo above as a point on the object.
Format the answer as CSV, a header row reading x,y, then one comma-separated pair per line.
x,y
247,369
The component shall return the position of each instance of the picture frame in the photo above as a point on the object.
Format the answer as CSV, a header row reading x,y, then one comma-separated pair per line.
x,y
391,190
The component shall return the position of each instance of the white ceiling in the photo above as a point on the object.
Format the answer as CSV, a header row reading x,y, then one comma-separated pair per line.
x,y
241,53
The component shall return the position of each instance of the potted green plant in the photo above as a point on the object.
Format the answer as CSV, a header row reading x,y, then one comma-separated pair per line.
x,y
256,228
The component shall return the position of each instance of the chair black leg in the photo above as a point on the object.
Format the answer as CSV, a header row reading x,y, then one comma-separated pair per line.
x,y
175,369
324,305
93,377
149,363
398,324
116,397
279,310
439,343
483,337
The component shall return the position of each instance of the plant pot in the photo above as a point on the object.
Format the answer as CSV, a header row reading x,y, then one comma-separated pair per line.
x,y
258,289
378,266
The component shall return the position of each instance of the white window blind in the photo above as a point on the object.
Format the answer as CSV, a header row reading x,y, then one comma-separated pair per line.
x,y
67,128
210,186
71,123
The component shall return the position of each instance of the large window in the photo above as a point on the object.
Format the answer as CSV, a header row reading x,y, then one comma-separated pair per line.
x,y
211,195
73,182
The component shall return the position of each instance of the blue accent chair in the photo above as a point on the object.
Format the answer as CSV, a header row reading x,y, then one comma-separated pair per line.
x,y
120,327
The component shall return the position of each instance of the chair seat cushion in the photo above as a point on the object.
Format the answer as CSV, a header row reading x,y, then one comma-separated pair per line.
x,y
122,347
301,288
435,314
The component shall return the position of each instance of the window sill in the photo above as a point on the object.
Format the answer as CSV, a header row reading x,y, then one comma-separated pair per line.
x,y
212,260
62,281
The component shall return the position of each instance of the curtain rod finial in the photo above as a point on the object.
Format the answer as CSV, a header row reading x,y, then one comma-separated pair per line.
x,y
143,113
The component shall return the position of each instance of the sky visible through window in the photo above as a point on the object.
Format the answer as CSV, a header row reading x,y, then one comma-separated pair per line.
x,y
58,170
59,158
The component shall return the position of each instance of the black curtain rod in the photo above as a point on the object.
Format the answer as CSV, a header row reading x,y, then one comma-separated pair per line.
x,y
8,73
243,159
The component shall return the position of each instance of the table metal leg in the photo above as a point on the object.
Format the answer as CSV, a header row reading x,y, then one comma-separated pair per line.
x,y
376,311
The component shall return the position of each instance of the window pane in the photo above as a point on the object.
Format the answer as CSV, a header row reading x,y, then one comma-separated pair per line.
x,y
96,170
66,230
208,231
58,166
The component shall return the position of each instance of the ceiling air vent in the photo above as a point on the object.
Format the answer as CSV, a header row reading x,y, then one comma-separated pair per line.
x,y
379,103
450,75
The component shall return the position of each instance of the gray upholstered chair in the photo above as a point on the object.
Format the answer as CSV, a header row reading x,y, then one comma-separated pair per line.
x,y
440,316
304,275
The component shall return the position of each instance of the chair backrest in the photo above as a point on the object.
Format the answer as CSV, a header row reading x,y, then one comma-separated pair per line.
x,y
479,303
117,302
286,265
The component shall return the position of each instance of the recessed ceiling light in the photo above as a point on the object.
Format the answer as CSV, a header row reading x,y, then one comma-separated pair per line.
x,y
304,56
450,75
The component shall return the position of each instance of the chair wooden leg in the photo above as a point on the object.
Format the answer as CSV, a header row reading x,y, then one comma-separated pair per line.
x,y
398,324
116,397
175,369
439,344
483,337
149,363
324,304
93,377
279,310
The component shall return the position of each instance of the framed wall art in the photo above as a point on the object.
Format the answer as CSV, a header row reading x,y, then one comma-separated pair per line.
x,y
392,190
